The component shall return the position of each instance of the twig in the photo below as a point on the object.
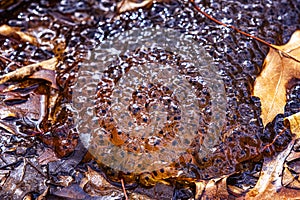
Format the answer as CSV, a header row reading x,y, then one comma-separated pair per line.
x,y
286,54
4,59
274,140
124,190
37,169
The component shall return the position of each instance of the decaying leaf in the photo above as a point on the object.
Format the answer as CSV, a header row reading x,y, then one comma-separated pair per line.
x,y
96,185
43,195
212,188
126,5
23,179
70,192
46,74
269,185
278,70
34,70
290,177
20,110
48,155
14,32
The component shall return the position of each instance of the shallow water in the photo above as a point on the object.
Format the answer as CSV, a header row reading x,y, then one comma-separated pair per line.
x,y
81,25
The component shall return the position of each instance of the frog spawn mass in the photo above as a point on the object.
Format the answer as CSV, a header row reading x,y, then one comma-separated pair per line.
x,y
239,58
158,96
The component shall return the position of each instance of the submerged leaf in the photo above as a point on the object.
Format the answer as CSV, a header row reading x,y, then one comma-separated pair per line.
x,y
15,33
47,75
33,71
48,155
278,70
95,184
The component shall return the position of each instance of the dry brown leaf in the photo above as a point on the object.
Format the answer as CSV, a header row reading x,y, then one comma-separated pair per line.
x,y
71,192
293,156
95,184
47,75
48,155
236,191
64,181
200,188
14,32
4,174
212,189
290,179
8,127
30,70
127,5
278,70
43,195
287,177
269,185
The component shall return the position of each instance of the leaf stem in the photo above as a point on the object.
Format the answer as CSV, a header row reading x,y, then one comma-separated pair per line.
x,y
124,190
282,53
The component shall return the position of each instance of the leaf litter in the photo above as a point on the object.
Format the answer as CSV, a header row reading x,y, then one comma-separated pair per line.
x,y
212,188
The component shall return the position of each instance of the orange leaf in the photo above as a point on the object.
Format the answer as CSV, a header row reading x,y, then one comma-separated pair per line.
x,y
278,70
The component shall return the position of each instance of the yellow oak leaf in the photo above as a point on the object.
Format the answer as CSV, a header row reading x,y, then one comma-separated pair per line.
x,y
278,70
294,124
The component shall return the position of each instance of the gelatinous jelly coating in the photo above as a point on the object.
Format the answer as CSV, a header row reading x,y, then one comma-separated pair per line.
x,y
147,111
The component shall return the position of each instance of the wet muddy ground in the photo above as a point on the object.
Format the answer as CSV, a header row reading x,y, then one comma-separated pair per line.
x,y
41,148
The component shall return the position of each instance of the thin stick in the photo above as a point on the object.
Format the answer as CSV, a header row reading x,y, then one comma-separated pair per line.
x,y
124,190
274,140
5,59
244,33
